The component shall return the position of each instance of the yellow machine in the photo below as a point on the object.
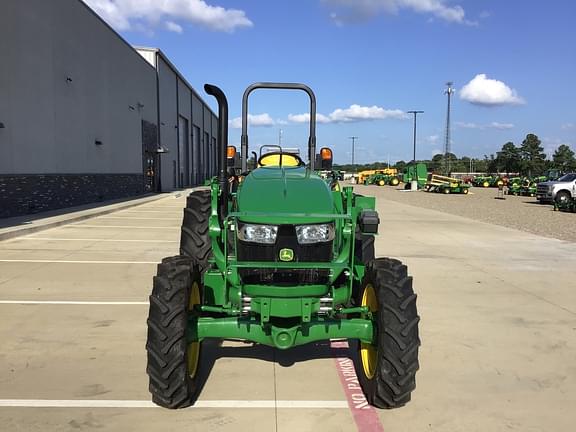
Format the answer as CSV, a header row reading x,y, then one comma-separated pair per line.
x,y
363,175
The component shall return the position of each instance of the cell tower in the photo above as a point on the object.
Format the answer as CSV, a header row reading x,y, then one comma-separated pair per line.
x,y
449,90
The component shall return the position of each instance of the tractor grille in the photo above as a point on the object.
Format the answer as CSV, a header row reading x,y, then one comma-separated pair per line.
x,y
319,252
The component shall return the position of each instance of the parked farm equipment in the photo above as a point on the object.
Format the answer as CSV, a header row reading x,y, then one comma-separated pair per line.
x,y
280,260
382,179
415,172
487,181
445,185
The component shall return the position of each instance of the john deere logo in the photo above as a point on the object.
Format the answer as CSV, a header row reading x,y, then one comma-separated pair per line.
x,y
286,254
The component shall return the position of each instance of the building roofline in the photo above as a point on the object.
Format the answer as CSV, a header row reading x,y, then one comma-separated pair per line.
x,y
174,69
135,49
118,35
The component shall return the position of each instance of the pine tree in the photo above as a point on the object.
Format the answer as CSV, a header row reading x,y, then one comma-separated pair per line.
x,y
564,158
533,156
509,158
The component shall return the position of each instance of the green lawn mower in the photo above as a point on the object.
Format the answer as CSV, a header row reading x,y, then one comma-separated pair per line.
x,y
275,257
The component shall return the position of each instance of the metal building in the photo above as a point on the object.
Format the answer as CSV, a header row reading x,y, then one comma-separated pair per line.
x,y
84,117
188,127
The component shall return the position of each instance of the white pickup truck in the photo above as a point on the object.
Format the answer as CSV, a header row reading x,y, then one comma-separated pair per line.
x,y
558,190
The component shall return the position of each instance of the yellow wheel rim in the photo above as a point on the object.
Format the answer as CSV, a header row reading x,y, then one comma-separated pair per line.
x,y
381,182
485,184
369,353
193,352
394,182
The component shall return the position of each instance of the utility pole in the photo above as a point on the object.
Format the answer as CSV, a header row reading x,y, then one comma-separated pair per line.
x,y
415,113
449,90
280,137
353,138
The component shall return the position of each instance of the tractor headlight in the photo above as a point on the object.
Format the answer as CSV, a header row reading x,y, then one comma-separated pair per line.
x,y
317,233
265,234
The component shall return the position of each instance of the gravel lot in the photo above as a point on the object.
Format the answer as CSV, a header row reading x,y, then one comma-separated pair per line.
x,y
521,213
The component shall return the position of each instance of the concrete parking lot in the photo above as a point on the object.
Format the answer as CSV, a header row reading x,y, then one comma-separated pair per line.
x,y
498,332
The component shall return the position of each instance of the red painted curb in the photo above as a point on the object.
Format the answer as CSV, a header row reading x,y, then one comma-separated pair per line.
x,y
365,416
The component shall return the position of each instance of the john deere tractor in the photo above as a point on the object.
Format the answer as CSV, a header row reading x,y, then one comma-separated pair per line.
x,y
275,257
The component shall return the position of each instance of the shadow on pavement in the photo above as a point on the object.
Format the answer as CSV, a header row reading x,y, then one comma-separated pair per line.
x,y
213,350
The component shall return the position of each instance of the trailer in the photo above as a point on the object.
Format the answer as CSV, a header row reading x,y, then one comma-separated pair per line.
x,y
445,185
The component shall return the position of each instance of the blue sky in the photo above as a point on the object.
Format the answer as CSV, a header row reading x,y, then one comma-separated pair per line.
x,y
513,64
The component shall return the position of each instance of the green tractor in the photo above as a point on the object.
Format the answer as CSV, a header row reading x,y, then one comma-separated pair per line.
x,y
281,260
488,181
514,185
381,179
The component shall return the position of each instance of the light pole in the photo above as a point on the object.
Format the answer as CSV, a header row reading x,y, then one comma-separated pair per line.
x,y
415,113
447,150
353,138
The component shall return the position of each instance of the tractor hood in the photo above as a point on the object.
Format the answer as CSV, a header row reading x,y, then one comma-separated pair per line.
x,y
274,193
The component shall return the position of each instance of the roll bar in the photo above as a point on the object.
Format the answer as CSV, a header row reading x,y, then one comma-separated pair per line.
x,y
284,86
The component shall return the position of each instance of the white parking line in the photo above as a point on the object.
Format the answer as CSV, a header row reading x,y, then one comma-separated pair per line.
x,y
65,302
97,240
79,262
140,218
115,226
142,211
47,403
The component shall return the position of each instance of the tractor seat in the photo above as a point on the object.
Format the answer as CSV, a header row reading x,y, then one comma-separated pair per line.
x,y
280,159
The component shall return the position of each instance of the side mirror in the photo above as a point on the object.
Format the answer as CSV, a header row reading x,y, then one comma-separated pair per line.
x,y
324,159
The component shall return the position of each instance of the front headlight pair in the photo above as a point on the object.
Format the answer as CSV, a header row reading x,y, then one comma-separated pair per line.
x,y
305,234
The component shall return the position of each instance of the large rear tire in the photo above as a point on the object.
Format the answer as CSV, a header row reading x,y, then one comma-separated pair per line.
x,y
387,368
172,361
194,239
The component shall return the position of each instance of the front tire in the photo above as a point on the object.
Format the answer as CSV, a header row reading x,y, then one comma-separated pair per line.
x,y
172,361
194,239
386,369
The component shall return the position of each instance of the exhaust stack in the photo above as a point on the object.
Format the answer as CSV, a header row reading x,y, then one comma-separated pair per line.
x,y
212,90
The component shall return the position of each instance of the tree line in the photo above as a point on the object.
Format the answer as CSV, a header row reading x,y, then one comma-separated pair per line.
x,y
526,159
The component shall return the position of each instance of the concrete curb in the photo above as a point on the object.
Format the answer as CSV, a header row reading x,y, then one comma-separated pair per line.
x,y
16,227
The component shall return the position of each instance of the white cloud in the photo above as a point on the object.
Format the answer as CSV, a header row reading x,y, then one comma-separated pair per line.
x,y
147,14
467,125
305,118
501,126
432,139
482,90
568,126
362,9
493,125
173,27
253,120
354,113
358,113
